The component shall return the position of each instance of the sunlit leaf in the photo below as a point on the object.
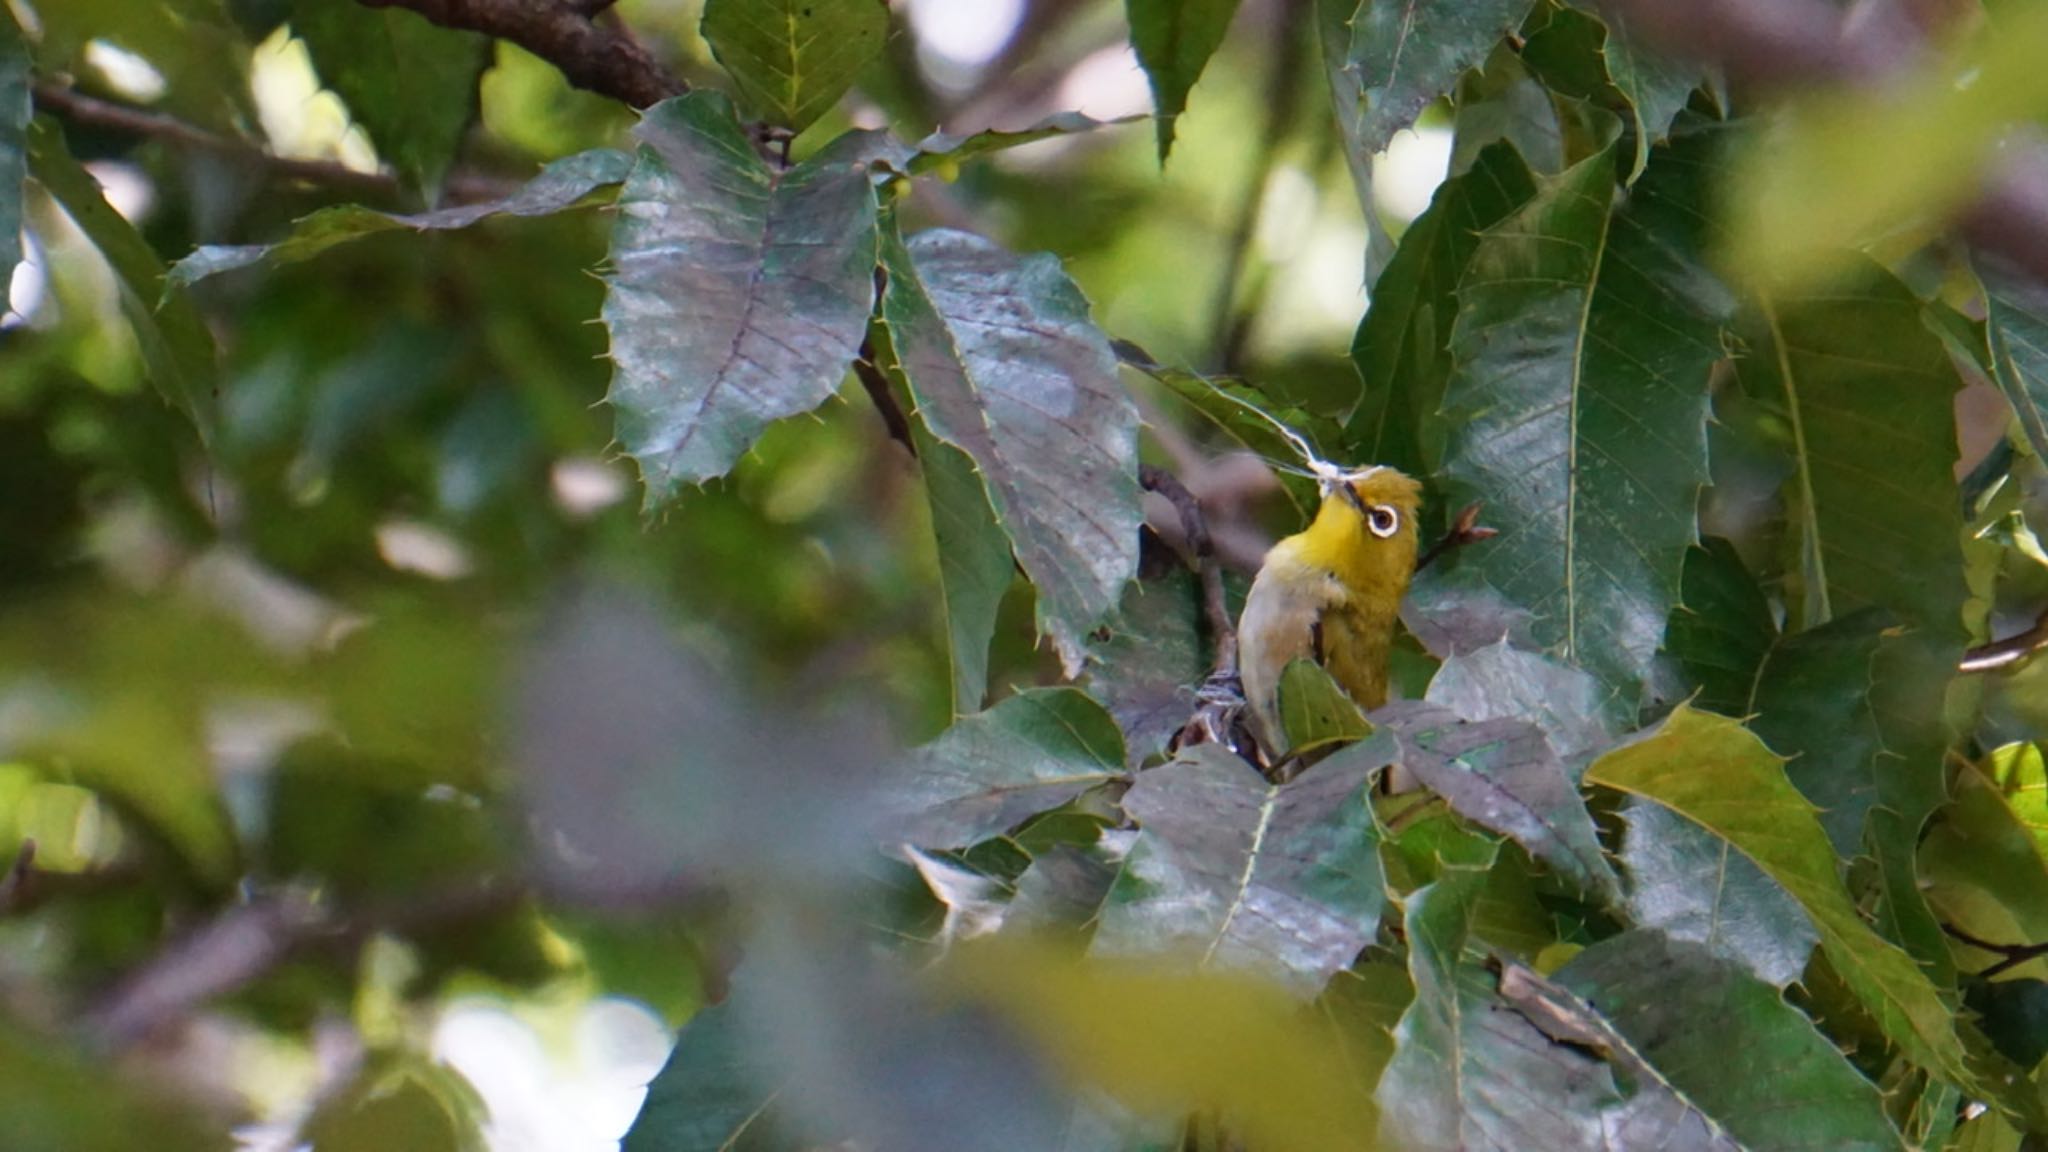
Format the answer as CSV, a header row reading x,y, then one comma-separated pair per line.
x,y
559,186
412,85
1032,752
2022,779
1174,40
1583,345
739,292
1231,870
1715,773
1685,1010
1692,885
1006,365
793,59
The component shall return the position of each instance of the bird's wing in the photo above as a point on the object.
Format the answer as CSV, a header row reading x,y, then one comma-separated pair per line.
x,y
1283,621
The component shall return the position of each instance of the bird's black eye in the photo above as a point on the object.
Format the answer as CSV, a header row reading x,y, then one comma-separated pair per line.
x,y
1383,520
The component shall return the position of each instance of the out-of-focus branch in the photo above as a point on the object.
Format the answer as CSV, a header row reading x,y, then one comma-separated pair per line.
x,y
1786,44
243,943
591,54
77,108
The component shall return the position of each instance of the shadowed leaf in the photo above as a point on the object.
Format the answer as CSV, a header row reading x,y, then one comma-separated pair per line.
x,y
2016,316
1030,753
558,187
739,292
1283,880
1502,775
1146,669
1583,344
1500,682
974,562
1684,1011
1691,885
1467,1074
1406,53
1873,502
1403,347
1006,365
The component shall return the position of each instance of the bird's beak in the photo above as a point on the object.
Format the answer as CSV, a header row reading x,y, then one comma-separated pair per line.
x,y
1351,496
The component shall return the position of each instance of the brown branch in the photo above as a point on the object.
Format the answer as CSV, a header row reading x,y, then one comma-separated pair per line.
x,y
243,943
2010,955
1785,44
592,56
1196,528
77,108
2000,654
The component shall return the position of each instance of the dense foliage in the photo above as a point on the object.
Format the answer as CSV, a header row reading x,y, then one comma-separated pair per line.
x,y
790,625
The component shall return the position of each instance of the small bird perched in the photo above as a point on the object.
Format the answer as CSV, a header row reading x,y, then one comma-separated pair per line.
x,y
1331,594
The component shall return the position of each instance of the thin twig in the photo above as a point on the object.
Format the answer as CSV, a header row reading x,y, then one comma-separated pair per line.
x,y
589,54
2010,955
78,108
1466,529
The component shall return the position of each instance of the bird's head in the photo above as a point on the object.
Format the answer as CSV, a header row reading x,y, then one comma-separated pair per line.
x,y
1366,525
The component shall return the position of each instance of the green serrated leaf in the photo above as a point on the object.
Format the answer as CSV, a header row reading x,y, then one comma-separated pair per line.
x,y
1465,1072
939,150
1503,776
715,1093
2016,320
1501,682
558,187
1403,347
1684,1010
1230,869
1985,875
1583,344
412,85
974,563
739,292
1030,753
1174,40
1692,885
1657,88
1409,52
1315,710
1006,365
1722,629
1712,771
1873,502
793,59
177,347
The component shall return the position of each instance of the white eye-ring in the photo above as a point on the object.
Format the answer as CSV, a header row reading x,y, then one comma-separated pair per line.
x,y
1383,520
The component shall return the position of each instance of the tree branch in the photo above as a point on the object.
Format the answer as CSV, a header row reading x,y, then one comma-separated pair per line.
x,y
593,56
1196,527
77,108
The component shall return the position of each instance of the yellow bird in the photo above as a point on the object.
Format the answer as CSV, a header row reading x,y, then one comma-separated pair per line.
x,y
1331,594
